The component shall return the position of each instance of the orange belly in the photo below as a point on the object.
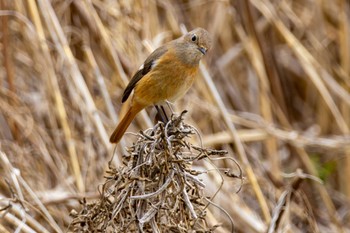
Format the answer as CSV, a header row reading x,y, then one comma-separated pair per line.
x,y
168,81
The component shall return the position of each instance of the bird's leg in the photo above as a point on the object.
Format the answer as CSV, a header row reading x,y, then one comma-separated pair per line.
x,y
162,114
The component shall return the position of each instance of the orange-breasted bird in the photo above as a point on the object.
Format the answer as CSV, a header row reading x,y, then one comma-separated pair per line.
x,y
166,75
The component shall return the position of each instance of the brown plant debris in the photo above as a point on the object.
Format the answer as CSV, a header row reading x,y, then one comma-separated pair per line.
x,y
156,190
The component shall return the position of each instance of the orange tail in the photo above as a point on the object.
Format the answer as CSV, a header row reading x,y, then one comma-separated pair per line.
x,y
124,123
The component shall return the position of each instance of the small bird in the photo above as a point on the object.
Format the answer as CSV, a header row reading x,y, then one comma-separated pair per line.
x,y
166,75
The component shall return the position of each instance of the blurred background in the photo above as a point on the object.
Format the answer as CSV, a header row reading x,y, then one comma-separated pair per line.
x,y
274,91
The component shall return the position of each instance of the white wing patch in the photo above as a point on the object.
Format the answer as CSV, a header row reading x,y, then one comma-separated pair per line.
x,y
154,63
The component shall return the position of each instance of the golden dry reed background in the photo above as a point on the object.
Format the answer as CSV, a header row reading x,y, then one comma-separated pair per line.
x,y
274,92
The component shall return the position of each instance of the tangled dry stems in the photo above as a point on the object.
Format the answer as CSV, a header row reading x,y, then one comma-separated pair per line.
x,y
156,190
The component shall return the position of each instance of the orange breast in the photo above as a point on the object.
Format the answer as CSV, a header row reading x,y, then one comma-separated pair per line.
x,y
168,80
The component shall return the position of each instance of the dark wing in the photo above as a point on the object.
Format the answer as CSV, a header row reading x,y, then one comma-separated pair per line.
x,y
147,66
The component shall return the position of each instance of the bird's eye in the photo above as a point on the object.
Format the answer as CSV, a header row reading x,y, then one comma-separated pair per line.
x,y
194,37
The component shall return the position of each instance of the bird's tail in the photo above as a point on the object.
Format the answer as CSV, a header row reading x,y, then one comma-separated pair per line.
x,y
125,122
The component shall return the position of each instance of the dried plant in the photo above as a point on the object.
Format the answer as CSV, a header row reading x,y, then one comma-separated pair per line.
x,y
156,190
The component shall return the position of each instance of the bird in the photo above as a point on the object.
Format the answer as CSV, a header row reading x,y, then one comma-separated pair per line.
x,y
165,76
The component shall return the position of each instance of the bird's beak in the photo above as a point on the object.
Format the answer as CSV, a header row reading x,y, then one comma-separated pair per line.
x,y
203,50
